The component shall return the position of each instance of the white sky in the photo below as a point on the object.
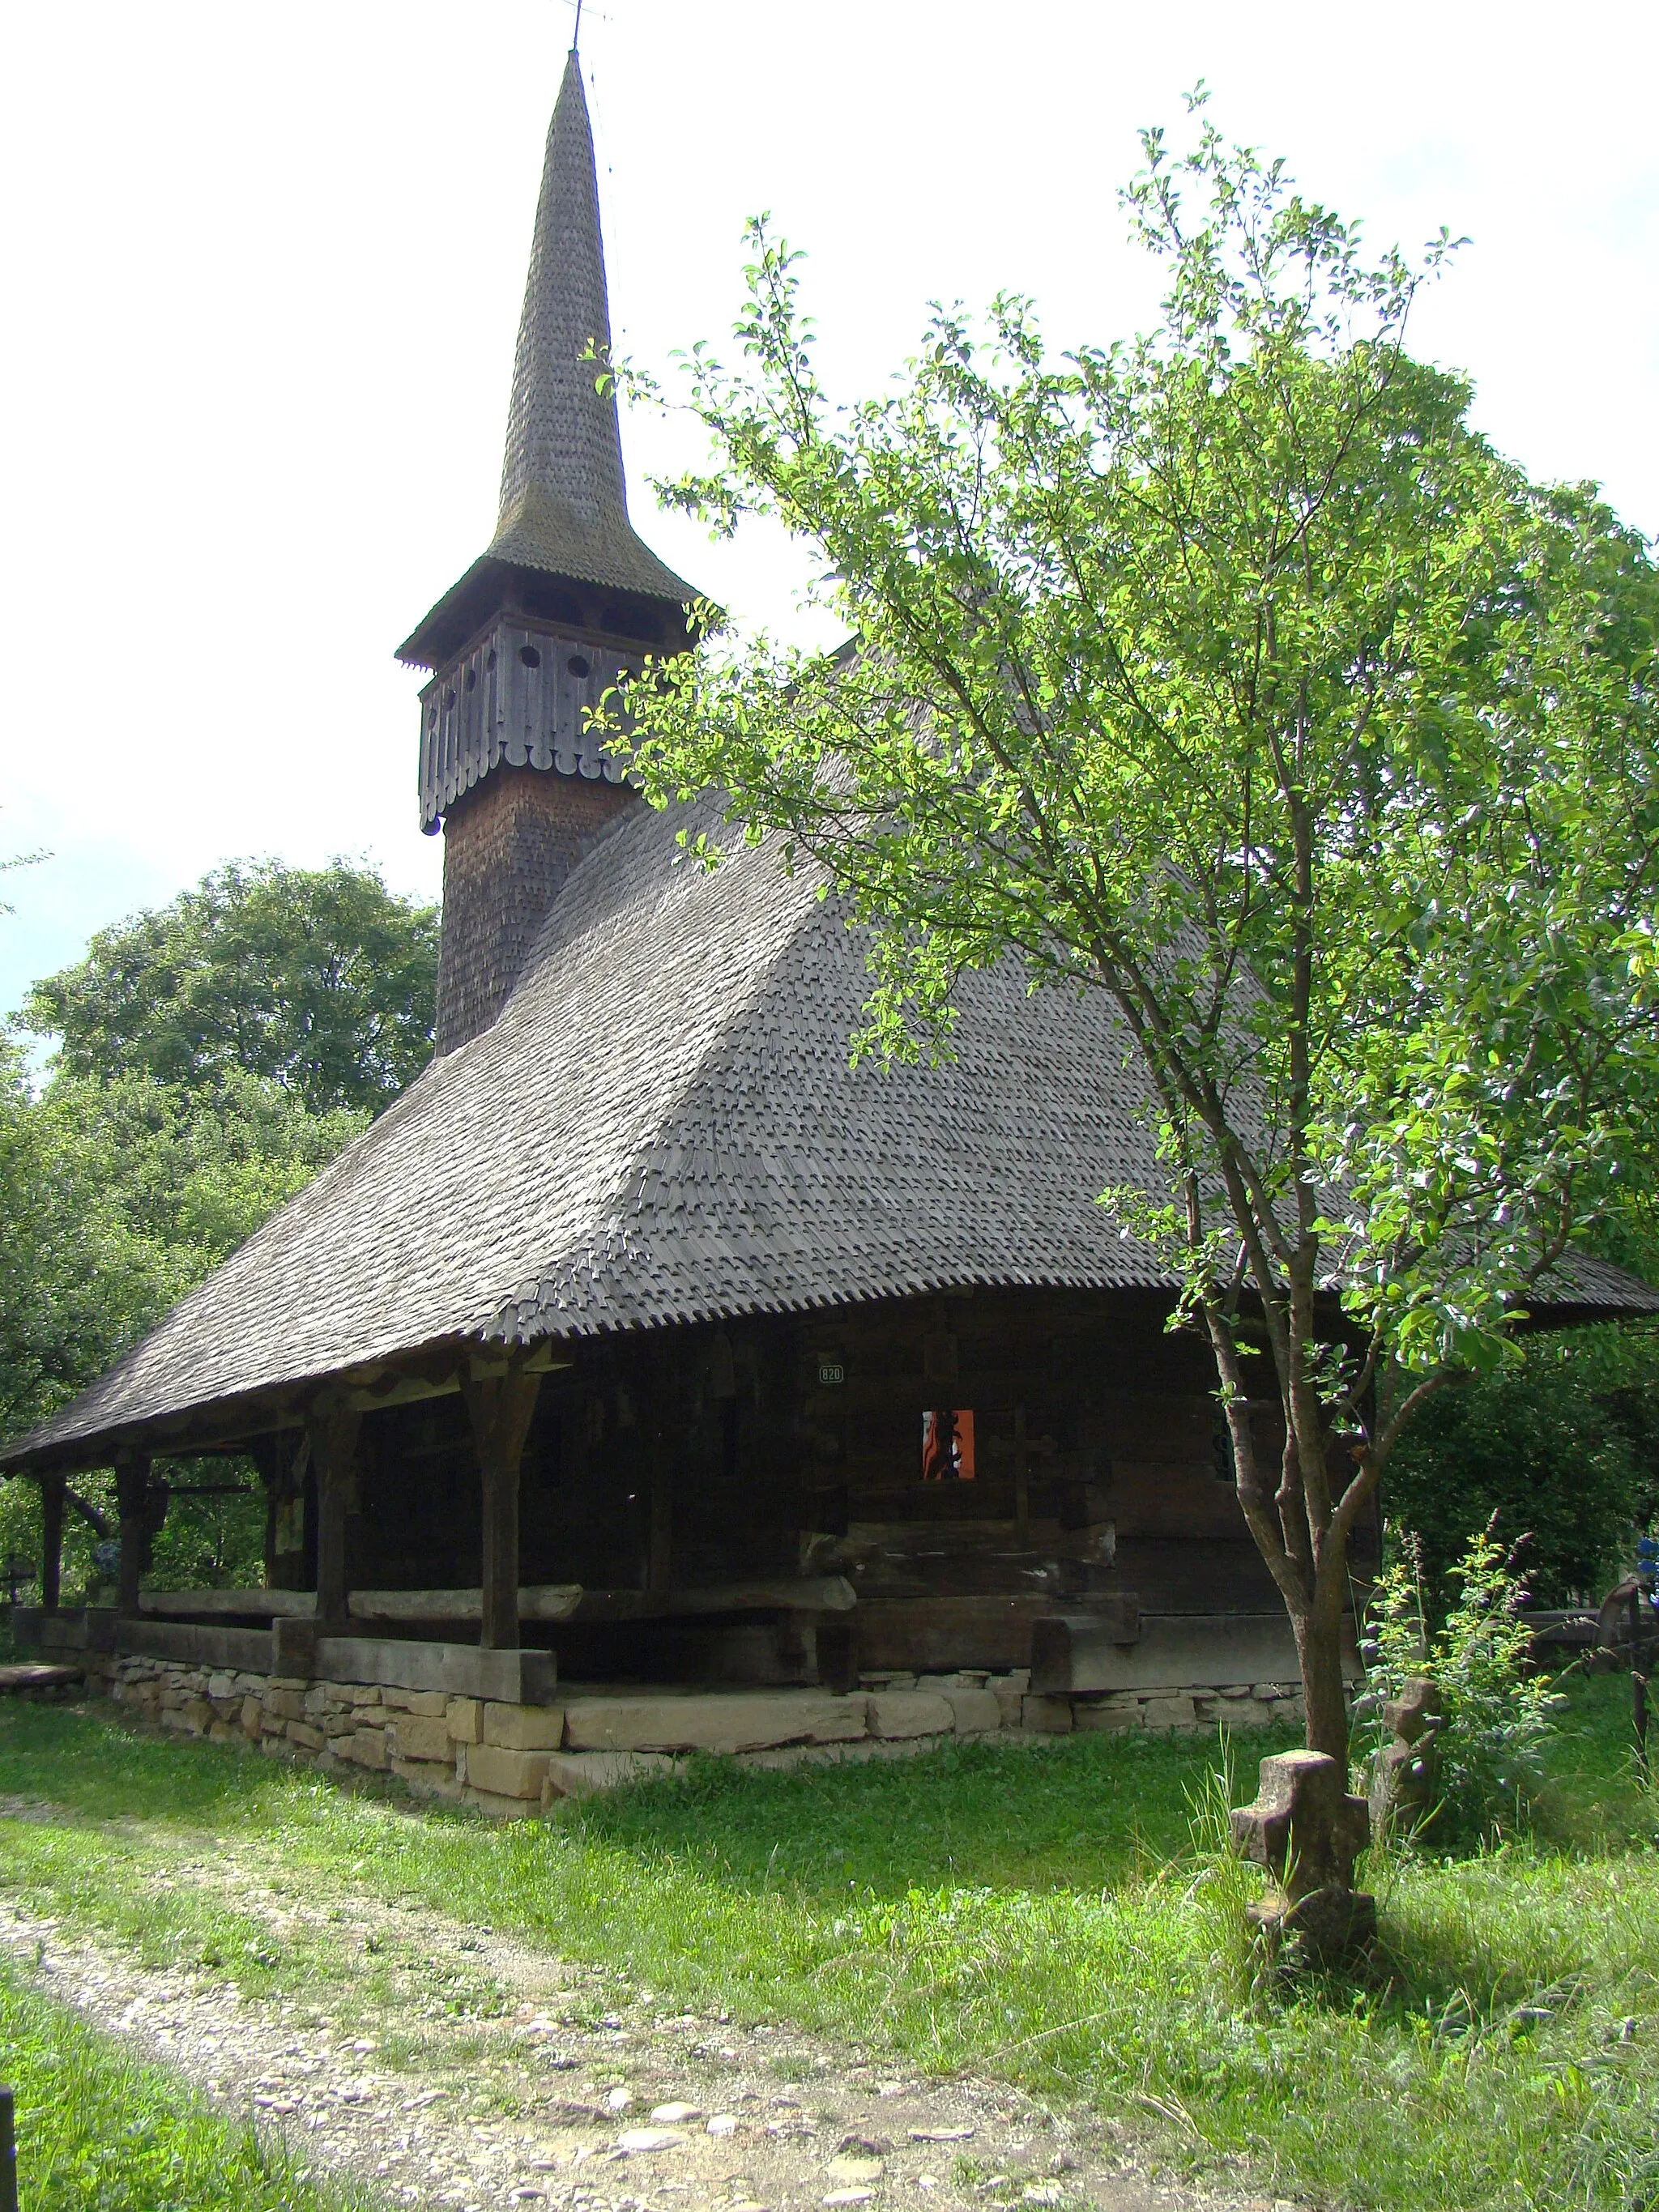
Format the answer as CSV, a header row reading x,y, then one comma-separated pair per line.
x,y
263,270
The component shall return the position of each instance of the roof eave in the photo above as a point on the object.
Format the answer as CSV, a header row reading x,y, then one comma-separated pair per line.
x,y
470,602
450,618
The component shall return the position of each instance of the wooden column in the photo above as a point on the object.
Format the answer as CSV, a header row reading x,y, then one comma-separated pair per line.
x,y
501,1407
132,1505
52,1540
331,1429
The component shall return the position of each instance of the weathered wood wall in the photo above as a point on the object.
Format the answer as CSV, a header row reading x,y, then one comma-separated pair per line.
x,y
788,1446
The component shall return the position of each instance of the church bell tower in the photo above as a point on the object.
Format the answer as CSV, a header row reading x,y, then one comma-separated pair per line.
x,y
526,643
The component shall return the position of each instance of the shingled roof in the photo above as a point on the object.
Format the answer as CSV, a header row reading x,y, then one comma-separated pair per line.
x,y
662,1127
564,502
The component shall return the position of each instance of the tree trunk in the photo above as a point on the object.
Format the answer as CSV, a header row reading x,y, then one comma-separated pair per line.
x,y
1319,1652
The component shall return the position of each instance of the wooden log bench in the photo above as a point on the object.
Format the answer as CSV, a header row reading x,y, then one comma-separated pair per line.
x,y
30,1677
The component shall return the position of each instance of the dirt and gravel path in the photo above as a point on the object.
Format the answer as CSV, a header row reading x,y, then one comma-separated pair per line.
x,y
464,2068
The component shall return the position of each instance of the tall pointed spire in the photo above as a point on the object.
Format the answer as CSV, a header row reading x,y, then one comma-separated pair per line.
x,y
563,446
564,501
564,504
513,766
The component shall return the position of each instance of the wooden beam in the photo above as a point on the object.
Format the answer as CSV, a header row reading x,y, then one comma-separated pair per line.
x,y
132,1504
501,1407
781,1594
234,1604
511,1678
1179,1651
332,1427
52,1487
536,1602
935,1635
194,1644
1083,1651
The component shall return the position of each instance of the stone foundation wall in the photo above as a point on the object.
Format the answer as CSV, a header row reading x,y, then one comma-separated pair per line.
x,y
510,1761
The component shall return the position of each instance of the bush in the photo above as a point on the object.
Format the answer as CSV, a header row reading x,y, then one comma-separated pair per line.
x,y
1499,1713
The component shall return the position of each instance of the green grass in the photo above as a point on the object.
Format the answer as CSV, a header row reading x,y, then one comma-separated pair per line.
x,y
1040,1913
98,2132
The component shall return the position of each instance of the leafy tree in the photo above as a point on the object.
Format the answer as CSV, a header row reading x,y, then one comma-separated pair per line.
x,y
1230,672
317,979
1562,1449
118,1198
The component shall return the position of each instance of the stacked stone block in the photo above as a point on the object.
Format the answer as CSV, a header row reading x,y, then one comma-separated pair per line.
x,y
1235,1705
510,1760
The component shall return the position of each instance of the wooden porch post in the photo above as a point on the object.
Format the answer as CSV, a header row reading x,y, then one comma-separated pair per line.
x,y
501,1407
132,1505
52,1540
332,1429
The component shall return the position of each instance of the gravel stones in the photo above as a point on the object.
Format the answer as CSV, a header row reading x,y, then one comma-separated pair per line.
x,y
638,2141
480,2121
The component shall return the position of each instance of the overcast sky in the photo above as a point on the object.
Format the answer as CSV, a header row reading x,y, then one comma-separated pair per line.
x,y
263,270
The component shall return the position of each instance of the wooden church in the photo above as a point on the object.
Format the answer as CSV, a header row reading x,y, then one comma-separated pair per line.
x,y
646,1379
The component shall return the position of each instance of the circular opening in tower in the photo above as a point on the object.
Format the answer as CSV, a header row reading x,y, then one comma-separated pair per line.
x,y
531,658
578,665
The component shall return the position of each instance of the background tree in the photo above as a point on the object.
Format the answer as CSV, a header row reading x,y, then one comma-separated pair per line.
x,y
1563,1448
320,980
1229,672
215,1054
120,1197
116,1198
